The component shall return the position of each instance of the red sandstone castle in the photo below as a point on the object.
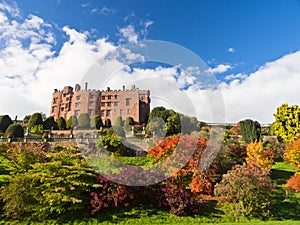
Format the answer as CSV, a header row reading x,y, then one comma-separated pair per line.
x,y
109,104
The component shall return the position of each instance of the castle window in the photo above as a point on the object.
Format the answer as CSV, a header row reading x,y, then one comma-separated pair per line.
x,y
121,112
102,103
108,103
78,97
103,97
54,100
127,101
109,97
108,113
76,112
77,104
102,113
116,103
116,96
53,109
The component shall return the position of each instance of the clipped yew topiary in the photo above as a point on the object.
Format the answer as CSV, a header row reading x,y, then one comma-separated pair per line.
x,y
251,130
14,131
5,121
96,122
84,120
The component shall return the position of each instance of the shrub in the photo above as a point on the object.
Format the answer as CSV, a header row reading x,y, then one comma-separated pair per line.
x,y
128,122
248,188
84,120
5,121
107,123
14,131
292,153
96,122
35,119
293,184
54,183
180,200
61,123
250,130
109,194
110,143
257,155
119,121
49,123
37,129
72,122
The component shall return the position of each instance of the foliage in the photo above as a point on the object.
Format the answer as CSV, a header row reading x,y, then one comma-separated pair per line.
x,y
35,119
61,123
190,124
26,118
47,184
293,184
248,188
128,122
156,127
286,126
236,130
5,121
196,173
180,199
14,131
50,123
37,129
110,143
72,122
96,122
109,194
118,130
160,112
173,125
84,120
107,123
118,121
292,153
250,130
257,155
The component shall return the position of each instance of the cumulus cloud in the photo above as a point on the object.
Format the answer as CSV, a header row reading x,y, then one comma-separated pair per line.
x,y
128,34
221,68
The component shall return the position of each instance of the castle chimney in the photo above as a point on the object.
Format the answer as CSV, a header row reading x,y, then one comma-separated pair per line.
x,y
123,87
77,87
108,88
86,86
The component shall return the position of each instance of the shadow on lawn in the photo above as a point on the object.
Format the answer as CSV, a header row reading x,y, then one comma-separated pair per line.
x,y
284,207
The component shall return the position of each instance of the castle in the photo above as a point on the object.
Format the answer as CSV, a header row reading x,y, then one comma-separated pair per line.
x,y
109,104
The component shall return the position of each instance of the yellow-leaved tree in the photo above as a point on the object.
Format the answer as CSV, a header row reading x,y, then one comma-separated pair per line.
x,y
257,155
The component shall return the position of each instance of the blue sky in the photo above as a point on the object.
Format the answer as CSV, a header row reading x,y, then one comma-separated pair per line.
x,y
244,42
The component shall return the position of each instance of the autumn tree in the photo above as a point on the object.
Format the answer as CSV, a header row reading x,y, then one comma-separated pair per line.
x,y
286,126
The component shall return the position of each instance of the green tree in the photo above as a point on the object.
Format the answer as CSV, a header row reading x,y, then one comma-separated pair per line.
x,y
118,130
61,123
35,119
84,120
15,130
119,121
250,130
128,122
160,112
49,123
287,123
107,123
5,121
56,184
96,122
173,124
72,122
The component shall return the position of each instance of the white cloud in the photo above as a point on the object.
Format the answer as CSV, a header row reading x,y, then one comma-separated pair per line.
x,y
11,7
221,68
128,34
239,76
231,50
